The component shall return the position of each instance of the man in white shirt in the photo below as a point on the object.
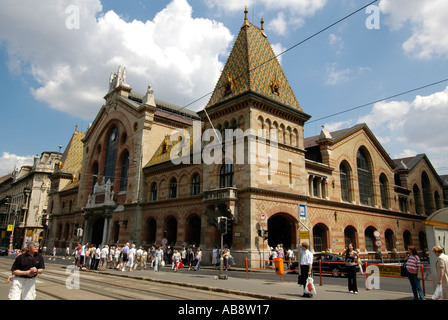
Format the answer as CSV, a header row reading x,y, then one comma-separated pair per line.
x,y
306,266
158,258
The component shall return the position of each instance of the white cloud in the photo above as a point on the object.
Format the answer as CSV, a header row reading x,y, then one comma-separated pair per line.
x,y
72,66
406,153
391,114
429,21
420,124
335,76
334,126
10,161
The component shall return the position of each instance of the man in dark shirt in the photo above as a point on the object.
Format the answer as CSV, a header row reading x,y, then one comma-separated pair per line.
x,y
25,269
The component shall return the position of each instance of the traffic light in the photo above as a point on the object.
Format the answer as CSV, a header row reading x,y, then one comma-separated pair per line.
x,y
222,225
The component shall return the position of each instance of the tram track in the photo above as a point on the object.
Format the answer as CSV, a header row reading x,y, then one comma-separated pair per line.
x,y
96,285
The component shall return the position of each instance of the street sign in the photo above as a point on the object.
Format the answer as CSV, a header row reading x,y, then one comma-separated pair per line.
x,y
304,235
302,213
10,227
379,243
377,234
262,217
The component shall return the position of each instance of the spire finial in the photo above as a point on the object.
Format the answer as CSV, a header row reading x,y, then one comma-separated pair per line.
x,y
262,23
246,22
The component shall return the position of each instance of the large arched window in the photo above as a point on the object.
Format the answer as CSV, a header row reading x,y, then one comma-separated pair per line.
x,y
111,155
370,239
124,171
417,199
426,189
364,180
345,182
226,175
383,191
196,184
173,188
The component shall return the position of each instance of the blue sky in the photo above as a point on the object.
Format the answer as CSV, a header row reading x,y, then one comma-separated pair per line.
x,y
56,59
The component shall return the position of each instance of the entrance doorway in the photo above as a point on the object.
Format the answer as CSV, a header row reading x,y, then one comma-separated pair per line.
x,y
282,230
97,231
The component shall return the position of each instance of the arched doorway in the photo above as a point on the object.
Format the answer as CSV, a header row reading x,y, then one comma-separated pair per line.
x,y
282,229
170,232
97,231
194,230
320,238
151,230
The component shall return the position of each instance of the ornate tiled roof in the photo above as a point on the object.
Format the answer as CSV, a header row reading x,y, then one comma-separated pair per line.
x,y
71,160
253,67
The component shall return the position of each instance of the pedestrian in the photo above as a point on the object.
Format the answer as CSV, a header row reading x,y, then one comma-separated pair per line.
x,y
67,253
176,260
54,253
227,258
25,269
144,258
183,255
413,265
97,257
104,257
125,256
442,270
117,255
198,259
83,256
306,267
215,256
131,256
158,258
190,258
351,262
138,258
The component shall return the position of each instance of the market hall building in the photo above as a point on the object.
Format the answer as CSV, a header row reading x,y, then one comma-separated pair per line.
x,y
124,186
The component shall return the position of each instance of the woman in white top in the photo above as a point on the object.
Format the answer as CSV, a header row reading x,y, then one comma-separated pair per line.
x,y
176,260
131,257
117,258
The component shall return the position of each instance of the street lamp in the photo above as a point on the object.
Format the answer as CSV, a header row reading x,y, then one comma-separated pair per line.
x,y
11,237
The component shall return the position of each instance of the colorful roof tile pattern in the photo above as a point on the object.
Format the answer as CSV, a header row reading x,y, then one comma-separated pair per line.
x,y
73,154
253,66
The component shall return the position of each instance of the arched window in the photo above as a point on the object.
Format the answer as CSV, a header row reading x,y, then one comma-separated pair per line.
x,y
364,180
370,239
173,188
196,185
345,182
153,192
124,171
390,239
226,175
426,189
407,237
383,191
111,155
437,200
417,199
95,171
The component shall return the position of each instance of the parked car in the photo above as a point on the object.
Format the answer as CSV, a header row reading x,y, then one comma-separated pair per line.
x,y
3,251
330,264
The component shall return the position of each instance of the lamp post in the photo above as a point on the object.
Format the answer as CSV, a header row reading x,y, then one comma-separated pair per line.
x,y
11,237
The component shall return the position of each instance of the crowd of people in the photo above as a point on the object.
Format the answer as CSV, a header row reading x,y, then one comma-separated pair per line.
x,y
131,257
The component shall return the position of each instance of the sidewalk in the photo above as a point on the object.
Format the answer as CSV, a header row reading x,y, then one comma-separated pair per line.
x,y
256,288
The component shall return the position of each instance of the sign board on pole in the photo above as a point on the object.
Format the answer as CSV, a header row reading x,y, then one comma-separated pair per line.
x,y
304,235
377,234
262,217
302,213
10,227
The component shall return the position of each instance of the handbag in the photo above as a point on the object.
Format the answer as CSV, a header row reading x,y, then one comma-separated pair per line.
x,y
162,263
403,270
438,293
309,286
